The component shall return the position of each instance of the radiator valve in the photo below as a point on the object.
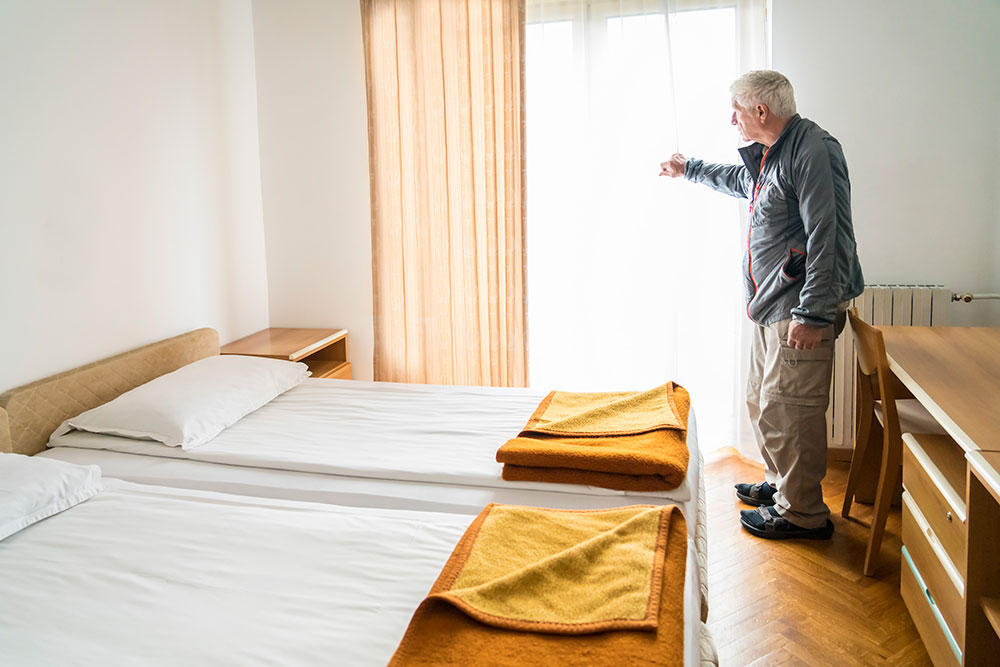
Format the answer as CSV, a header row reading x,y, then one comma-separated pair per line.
x,y
967,297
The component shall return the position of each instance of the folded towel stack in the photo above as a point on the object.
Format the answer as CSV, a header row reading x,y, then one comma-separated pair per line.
x,y
631,441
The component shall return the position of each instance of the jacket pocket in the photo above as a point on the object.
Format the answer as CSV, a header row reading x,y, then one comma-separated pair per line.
x,y
794,266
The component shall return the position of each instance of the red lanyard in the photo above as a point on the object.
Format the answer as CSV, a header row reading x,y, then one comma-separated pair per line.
x,y
760,181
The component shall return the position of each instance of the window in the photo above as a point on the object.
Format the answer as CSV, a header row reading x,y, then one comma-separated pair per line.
x,y
632,279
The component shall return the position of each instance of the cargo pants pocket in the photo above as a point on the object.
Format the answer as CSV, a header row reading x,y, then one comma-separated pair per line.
x,y
802,377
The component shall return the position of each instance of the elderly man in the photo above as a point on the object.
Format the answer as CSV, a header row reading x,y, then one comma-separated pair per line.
x,y
800,269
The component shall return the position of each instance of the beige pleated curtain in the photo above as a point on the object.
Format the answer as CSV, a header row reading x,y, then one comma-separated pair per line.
x,y
447,172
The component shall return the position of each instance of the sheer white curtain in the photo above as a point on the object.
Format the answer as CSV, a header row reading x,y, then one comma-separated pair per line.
x,y
634,279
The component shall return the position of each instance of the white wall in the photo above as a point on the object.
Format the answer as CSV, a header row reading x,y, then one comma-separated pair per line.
x,y
131,196
133,176
314,168
911,91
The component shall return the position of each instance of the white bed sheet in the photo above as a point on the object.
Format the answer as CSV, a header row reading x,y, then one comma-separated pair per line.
x,y
157,576
368,424
363,492
340,489
380,430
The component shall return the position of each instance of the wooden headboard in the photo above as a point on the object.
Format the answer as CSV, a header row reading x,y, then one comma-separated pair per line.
x,y
30,413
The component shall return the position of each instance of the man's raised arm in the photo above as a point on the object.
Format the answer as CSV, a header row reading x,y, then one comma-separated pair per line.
x,y
729,179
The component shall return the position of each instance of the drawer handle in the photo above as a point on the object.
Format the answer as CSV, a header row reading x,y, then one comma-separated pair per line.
x,y
930,597
948,516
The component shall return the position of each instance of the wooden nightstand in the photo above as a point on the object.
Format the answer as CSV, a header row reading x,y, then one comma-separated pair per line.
x,y
324,351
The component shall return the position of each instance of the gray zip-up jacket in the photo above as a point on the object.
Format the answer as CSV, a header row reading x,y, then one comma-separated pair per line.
x,y
801,259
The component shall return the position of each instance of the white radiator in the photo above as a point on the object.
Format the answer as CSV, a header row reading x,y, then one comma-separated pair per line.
x,y
880,305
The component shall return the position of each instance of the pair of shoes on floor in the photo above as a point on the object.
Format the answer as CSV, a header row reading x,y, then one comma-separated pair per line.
x,y
756,494
767,523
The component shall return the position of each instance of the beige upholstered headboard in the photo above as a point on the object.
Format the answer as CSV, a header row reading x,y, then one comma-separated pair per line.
x,y
30,413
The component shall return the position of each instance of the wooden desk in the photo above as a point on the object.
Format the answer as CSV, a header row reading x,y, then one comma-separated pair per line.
x,y
950,578
955,373
982,592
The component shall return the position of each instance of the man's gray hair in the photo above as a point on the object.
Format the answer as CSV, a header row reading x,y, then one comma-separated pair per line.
x,y
767,87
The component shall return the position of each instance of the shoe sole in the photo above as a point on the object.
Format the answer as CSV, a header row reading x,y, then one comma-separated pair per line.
x,y
754,502
804,535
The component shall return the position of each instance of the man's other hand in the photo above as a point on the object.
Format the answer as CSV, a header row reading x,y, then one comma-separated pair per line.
x,y
804,336
673,167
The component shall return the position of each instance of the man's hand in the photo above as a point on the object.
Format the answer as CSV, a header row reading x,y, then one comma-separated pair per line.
x,y
673,167
804,336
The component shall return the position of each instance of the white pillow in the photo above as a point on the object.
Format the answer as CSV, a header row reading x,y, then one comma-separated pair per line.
x,y
193,404
33,488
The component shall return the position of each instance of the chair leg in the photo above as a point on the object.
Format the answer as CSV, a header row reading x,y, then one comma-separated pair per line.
x,y
857,461
871,467
892,454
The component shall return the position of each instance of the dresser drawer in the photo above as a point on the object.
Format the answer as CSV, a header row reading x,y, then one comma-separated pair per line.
x,y
939,503
938,640
943,582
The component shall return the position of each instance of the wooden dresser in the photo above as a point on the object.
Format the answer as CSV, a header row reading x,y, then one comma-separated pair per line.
x,y
935,543
950,571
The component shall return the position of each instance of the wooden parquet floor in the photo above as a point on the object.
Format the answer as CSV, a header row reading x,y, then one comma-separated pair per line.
x,y
802,602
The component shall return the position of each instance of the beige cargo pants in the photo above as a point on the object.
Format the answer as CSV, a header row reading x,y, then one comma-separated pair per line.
x,y
787,394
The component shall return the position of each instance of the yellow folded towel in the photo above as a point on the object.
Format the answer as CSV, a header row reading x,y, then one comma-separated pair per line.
x,y
634,441
531,586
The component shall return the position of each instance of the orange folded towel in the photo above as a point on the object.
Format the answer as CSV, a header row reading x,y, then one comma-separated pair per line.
x,y
634,441
529,586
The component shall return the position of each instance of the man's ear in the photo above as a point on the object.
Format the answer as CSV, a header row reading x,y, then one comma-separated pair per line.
x,y
762,112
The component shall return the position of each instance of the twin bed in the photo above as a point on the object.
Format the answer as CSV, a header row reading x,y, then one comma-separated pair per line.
x,y
323,494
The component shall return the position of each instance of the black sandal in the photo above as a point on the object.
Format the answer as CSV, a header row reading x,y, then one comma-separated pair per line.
x,y
767,523
756,494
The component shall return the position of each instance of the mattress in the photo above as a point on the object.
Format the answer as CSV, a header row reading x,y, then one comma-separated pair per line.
x,y
373,444
160,576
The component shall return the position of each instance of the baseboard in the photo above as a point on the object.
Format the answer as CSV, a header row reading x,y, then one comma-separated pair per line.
x,y
839,454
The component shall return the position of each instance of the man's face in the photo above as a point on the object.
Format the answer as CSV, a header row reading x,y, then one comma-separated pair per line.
x,y
745,120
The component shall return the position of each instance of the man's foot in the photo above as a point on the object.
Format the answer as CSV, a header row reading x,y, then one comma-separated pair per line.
x,y
767,523
756,494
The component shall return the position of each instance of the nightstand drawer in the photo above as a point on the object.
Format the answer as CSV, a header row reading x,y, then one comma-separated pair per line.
x,y
942,580
938,639
939,503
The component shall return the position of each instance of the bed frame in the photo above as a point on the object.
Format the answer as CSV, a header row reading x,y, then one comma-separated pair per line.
x,y
30,413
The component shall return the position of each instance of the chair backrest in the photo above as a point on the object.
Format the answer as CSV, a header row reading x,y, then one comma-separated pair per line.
x,y
872,359
868,344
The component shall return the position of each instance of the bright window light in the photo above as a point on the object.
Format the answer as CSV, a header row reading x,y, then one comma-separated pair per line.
x,y
633,279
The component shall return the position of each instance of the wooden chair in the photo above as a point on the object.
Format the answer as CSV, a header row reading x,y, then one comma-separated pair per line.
x,y
881,418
